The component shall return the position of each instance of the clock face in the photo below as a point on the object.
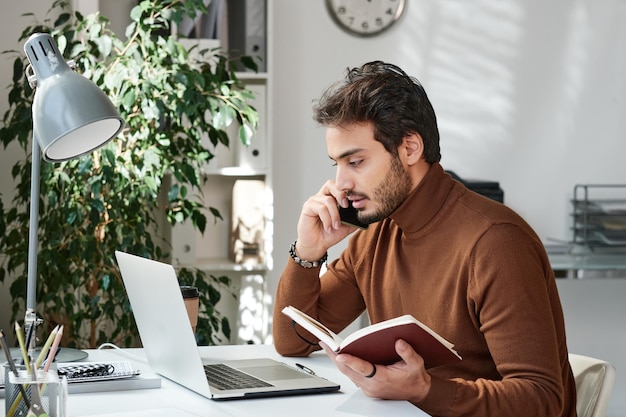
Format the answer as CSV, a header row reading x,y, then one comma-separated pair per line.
x,y
365,17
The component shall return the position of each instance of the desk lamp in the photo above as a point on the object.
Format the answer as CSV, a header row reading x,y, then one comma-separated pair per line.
x,y
71,118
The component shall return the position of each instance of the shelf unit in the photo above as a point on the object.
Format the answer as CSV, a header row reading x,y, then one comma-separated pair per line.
x,y
599,217
212,252
229,166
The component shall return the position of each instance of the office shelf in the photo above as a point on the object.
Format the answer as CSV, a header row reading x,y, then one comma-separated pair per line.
x,y
599,217
238,183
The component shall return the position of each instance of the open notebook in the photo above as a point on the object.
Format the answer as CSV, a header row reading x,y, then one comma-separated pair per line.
x,y
170,346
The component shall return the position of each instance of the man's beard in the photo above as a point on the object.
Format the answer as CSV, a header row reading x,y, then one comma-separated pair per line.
x,y
390,193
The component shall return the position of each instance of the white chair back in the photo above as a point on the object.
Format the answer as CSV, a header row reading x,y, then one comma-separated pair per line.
x,y
594,384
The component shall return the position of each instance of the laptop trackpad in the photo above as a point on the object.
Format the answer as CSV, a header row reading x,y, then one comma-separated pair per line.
x,y
274,373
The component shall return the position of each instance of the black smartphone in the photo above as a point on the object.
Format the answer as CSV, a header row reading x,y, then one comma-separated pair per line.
x,y
348,216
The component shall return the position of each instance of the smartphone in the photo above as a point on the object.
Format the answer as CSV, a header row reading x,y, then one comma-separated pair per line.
x,y
348,216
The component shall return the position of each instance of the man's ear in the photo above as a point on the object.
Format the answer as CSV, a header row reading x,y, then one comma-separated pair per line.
x,y
413,148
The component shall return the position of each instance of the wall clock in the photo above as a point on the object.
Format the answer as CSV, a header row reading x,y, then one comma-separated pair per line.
x,y
365,17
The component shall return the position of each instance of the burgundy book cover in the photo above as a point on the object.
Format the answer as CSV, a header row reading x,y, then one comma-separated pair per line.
x,y
379,347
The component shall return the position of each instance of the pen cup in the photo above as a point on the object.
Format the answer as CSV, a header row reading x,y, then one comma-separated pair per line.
x,y
191,296
52,392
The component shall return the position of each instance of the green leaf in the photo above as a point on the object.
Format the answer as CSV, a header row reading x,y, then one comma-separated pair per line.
x,y
106,282
216,214
98,205
249,63
110,155
62,19
245,134
224,117
226,327
172,195
199,220
71,217
18,70
137,11
151,183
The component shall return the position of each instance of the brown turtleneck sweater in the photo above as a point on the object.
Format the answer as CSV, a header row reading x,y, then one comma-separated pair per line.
x,y
473,271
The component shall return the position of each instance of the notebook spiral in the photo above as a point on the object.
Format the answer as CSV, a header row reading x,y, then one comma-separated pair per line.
x,y
96,371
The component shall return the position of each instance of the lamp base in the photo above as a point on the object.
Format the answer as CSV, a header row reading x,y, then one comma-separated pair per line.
x,y
64,354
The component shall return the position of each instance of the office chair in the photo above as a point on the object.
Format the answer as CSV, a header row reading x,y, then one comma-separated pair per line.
x,y
594,383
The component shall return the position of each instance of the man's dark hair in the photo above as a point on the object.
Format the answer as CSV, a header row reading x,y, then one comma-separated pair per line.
x,y
385,95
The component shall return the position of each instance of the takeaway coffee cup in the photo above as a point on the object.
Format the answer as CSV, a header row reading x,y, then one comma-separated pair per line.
x,y
191,296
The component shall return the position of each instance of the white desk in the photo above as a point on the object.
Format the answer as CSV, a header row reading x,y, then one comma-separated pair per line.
x,y
172,400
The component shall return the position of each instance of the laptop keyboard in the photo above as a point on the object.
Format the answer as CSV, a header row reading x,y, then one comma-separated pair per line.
x,y
224,377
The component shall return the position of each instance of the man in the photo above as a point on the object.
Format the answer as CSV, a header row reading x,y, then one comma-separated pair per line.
x,y
466,266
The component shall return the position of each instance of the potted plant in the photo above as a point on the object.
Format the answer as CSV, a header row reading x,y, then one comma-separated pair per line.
x,y
116,197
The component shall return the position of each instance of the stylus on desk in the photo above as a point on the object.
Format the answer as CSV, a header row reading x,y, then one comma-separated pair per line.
x,y
305,369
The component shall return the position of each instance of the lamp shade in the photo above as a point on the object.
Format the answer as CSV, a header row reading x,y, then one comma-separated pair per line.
x,y
71,115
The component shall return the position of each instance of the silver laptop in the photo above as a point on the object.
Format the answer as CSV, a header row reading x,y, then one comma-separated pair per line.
x,y
170,346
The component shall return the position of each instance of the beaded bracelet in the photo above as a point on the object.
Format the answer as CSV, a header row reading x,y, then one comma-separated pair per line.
x,y
302,262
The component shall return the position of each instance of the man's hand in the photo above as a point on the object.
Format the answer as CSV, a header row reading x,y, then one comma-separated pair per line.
x,y
403,380
319,226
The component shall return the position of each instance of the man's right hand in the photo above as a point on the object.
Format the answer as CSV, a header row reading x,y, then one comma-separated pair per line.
x,y
319,226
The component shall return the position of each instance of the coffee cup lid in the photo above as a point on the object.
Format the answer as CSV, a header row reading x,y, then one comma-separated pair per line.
x,y
189,291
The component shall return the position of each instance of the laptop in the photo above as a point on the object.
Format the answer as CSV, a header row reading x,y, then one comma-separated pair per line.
x,y
170,346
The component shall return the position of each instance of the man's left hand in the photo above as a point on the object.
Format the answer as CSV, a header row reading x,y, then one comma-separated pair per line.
x,y
403,380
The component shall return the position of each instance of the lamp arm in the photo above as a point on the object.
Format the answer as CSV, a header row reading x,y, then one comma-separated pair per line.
x,y
33,240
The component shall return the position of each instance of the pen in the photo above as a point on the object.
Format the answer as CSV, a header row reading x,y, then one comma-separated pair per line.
x,y
20,340
53,349
7,353
46,346
305,369
29,338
